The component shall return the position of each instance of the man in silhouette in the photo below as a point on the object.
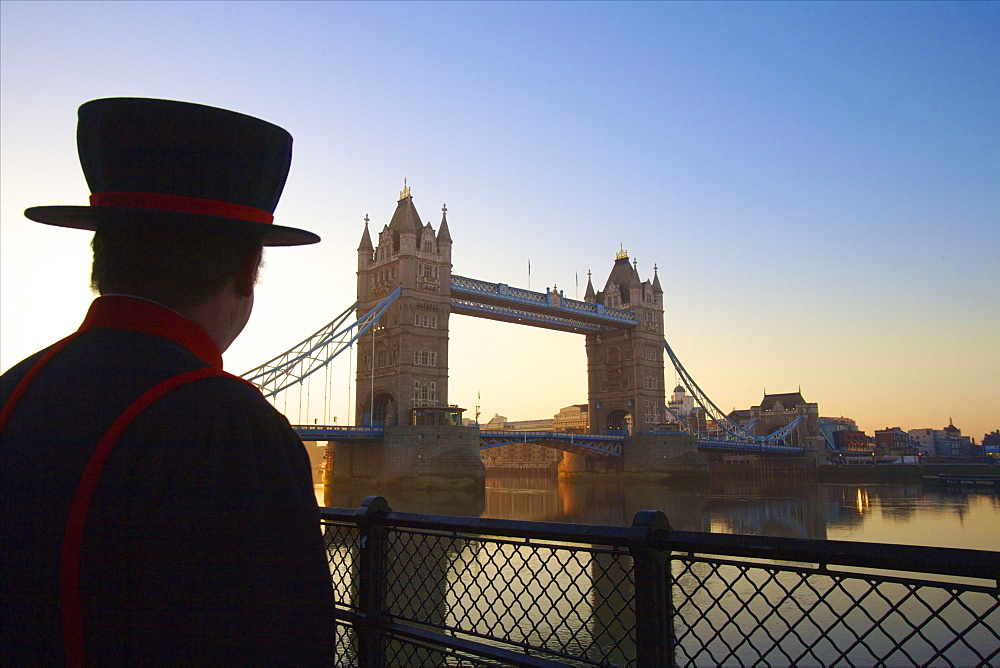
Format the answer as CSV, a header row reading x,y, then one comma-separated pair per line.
x,y
156,509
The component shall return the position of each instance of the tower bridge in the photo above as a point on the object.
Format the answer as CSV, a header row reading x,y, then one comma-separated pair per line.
x,y
406,297
403,360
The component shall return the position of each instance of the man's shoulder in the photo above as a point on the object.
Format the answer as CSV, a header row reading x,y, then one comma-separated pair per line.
x,y
12,376
224,397
227,387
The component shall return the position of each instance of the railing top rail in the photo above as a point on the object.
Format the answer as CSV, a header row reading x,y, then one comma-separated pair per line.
x,y
909,558
601,535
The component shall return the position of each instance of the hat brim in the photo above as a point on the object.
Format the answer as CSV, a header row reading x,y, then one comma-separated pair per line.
x,y
89,217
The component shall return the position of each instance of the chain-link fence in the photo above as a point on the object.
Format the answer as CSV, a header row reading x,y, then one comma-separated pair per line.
x,y
422,590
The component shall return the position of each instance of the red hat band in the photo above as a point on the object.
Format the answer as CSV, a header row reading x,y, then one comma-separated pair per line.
x,y
181,203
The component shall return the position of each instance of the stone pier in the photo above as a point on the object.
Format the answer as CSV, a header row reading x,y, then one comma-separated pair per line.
x,y
653,457
427,457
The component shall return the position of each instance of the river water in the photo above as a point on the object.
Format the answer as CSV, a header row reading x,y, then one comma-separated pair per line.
x,y
867,512
878,513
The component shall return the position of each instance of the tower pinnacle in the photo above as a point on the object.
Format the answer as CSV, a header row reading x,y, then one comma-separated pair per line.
x,y
405,192
366,241
444,236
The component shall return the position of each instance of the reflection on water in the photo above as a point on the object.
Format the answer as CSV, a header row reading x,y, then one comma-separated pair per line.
x,y
459,502
880,513
585,604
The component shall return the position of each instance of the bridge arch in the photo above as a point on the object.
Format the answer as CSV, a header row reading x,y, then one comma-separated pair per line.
x,y
619,422
385,412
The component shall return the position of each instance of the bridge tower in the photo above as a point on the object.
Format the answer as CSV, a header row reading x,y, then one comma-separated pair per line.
x,y
403,360
625,365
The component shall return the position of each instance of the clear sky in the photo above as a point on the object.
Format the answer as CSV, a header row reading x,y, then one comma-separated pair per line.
x,y
818,183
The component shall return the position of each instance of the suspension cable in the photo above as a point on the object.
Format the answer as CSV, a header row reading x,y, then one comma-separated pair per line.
x,y
350,367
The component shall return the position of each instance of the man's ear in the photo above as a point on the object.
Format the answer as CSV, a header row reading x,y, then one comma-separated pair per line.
x,y
246,276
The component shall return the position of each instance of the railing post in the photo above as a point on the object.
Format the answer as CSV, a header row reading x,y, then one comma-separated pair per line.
x,y
654,607
371,581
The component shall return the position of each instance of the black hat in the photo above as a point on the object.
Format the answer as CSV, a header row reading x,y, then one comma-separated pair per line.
x,y
167,162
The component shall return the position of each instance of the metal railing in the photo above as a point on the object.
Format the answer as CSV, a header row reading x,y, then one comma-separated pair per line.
x,y
437,590
309,432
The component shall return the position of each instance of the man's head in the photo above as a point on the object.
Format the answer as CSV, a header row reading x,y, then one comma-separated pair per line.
x,y
182,200
177,266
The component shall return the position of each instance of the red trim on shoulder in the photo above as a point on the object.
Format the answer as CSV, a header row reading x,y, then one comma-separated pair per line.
x,y
15,396
72,606
139,315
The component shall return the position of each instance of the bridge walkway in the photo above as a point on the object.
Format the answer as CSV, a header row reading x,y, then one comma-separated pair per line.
x,y
582,444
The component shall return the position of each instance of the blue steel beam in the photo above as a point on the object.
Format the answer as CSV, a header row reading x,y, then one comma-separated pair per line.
x,y
703,400
315,352
783,432
588,443
521,317
474,291
739,441
740,446
309,432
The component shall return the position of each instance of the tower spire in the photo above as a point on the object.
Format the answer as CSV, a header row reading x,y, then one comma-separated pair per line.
x,y
366,239
444,235
590,295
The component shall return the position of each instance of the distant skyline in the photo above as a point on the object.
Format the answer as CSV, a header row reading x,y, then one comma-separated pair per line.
x,y
817,183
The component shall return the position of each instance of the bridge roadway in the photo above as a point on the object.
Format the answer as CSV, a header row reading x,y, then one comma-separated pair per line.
x,y
550,310
583,444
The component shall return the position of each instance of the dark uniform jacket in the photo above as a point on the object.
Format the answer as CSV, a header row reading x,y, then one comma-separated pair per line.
x,y
201,541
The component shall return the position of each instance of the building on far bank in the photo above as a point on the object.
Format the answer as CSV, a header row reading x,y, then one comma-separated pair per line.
x,y
991,443
501,423
779,410
894,441
572,418
680,404
852,440
947,442
829,426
